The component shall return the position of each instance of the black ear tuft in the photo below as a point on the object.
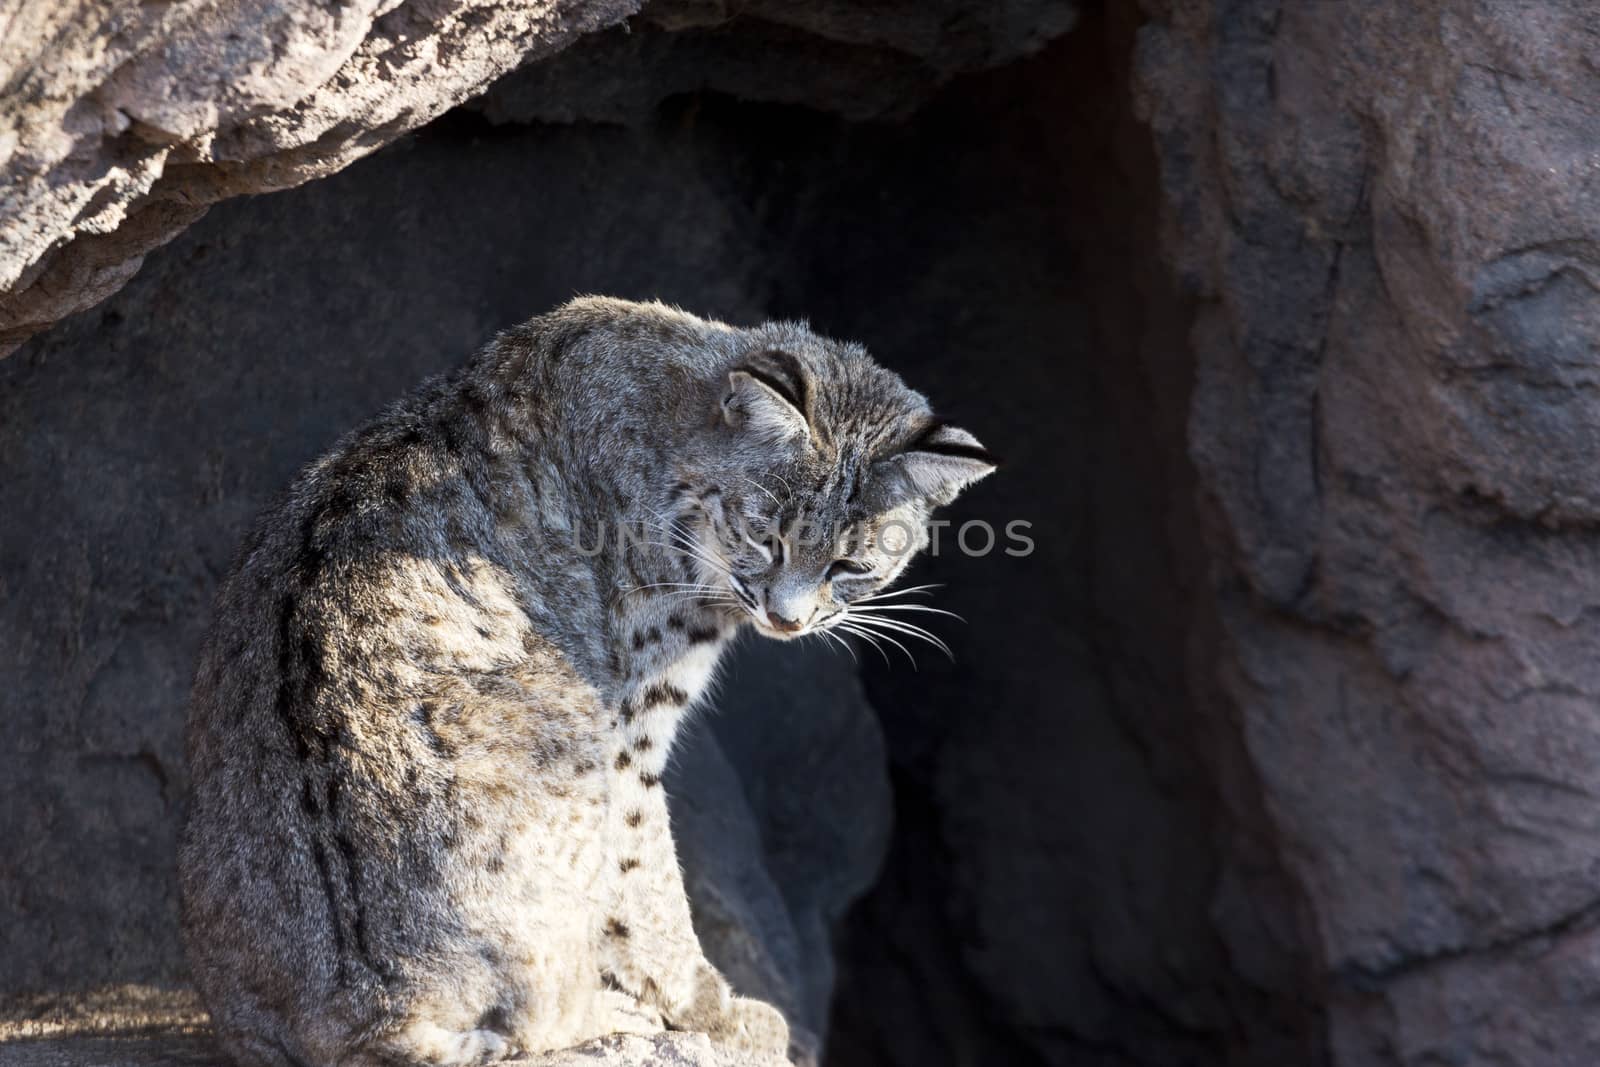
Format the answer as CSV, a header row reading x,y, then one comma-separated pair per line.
x,y
761,408
942,439
938,464
784,373
770,395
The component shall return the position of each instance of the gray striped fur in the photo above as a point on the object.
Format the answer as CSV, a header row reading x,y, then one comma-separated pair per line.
x,y
429,723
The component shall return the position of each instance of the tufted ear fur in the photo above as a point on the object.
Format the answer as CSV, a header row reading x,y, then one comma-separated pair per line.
x,y
764,405
937,465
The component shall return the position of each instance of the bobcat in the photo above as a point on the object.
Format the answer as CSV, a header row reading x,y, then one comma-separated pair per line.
x,y
430,719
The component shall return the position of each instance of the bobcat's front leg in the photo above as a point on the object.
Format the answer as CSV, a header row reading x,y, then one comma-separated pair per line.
x,y
648,942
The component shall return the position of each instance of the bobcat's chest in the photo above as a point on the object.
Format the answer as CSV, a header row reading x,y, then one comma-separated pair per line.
x,y
657,702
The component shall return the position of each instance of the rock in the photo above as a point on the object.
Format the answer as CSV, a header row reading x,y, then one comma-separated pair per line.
x,y
122,124
1053,885
141,1026
801,744
856,59
1386,216
1280,747
181,407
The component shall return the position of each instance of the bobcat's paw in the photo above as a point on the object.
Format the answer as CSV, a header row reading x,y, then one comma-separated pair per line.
x,y
479,1047
423,1042
753,1026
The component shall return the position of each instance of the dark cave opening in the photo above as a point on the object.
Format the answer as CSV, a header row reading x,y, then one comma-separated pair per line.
x,y
1079,870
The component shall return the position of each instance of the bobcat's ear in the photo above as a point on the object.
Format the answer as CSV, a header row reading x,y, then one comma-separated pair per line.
x,y
764,406
937,465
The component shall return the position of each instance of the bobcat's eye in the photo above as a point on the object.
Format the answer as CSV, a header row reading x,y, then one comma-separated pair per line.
x,y
847,568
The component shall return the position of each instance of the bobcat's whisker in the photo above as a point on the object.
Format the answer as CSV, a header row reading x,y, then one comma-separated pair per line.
x,y
698,598
695,551
774,474
842,620
673,527
922,589
868,638
667,585
872,608
703,587
900,626
701,598
836,639
763,488
686,543
850,627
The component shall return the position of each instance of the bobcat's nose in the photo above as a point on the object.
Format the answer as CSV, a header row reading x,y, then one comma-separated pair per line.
x,y
781,624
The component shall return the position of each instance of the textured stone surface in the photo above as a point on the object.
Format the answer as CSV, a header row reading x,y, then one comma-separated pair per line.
x,y
144,1026
1387,216
1067,879
136,442
800,747
1281,749
1051,891
121,122
1080,872
861,60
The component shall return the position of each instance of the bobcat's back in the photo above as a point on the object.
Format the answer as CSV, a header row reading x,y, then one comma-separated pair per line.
x,y
395,766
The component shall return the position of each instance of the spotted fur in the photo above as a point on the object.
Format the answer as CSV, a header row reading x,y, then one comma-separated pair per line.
x,y
430,720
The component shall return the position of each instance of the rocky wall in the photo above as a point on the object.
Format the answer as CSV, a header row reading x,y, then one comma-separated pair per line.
x,y
1280,748
1386,216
